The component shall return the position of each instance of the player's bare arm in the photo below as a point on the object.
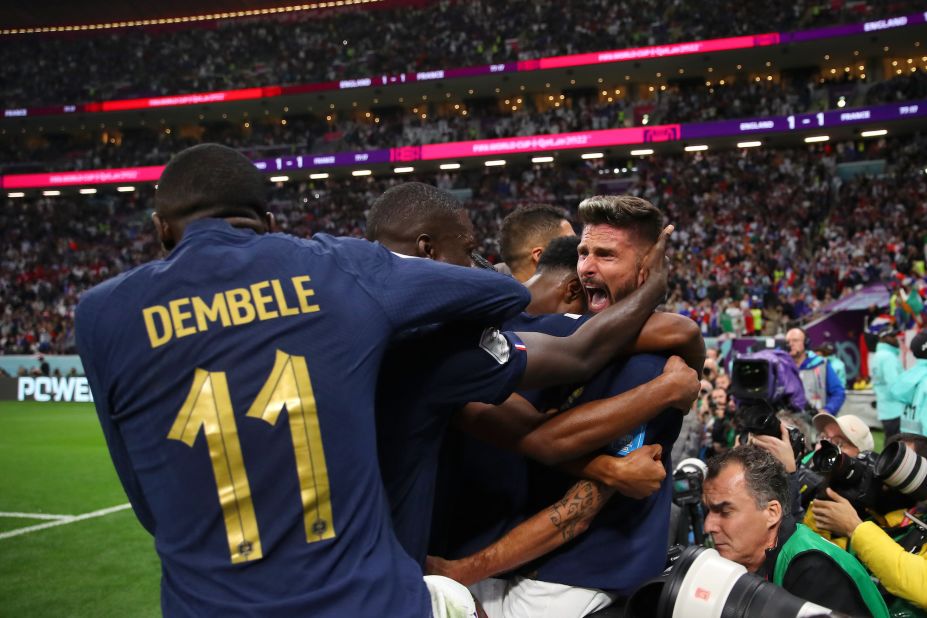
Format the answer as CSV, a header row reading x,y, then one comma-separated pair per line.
x,y
533,538
553,438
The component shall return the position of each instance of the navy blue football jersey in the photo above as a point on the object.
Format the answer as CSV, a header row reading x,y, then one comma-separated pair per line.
x,y
235,381
422,383
625,544
482,490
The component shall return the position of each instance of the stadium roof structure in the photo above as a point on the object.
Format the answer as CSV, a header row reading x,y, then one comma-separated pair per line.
x,y
56,13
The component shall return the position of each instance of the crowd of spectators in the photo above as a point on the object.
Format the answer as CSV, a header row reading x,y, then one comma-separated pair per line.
x,y
332,45
764,237
268,136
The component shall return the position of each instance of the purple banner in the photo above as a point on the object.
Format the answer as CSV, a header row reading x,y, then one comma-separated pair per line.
x,y
842,329
819,120
300,162
851,29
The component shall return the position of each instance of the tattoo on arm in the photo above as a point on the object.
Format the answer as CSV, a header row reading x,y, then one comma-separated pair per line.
x,y
582,502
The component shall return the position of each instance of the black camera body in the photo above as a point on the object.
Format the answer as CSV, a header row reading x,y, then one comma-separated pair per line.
x,y
758,417
853,478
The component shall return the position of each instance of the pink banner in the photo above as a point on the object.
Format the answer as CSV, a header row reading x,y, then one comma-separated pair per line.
x,y
87,177
655,51
541,143
200,98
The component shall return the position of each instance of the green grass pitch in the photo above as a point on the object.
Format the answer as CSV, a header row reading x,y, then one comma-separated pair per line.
x,y
53,460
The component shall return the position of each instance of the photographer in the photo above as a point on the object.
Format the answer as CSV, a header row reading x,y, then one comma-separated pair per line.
x,y
746,493
849,434
911,387
893,546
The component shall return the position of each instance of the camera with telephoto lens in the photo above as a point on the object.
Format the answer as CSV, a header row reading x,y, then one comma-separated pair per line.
x,y
895,479
851,477
758,417
903,470
701,584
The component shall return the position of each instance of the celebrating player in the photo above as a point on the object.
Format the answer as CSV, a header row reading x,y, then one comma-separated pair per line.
x,y
194,358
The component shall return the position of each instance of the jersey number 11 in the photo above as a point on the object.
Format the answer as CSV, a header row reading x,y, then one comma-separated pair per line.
x,y
209,407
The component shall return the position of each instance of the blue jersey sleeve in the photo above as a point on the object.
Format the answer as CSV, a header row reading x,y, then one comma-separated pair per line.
x,y
487,370
414,291
89,346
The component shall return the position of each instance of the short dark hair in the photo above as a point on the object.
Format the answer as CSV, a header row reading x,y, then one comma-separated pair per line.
x,y
625,212
559,253
764,475
210,179
404,207
529,224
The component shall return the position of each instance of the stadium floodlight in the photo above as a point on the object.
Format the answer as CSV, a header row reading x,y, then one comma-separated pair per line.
x,y
51,193
88,191
696,148
749,144
403,170
592,155
494,163
874,133
126,189
321,176
643,152
542,159
450,166
817,138
279,178
361,173
16,194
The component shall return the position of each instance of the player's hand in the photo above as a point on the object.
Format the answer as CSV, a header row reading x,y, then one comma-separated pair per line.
x,y
685,384
638,474
454,569
836,515
780,448
655,267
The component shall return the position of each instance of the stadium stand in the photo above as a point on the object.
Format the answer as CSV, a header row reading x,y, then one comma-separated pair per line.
x,y
228,54
776,228
535,114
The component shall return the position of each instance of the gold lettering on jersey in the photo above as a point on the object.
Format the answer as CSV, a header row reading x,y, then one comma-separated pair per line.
x,y
263,300
178,316
303,293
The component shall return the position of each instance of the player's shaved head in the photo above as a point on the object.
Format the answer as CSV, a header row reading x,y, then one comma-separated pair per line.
x,y
418,219
209,180
555,286
404,210
560,254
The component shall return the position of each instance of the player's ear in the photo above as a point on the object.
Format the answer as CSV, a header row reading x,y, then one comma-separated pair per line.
x,y
573,290
536,255
165,233
425,247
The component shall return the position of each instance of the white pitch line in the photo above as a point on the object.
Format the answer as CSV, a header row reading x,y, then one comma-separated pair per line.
x,y
34,515
61,522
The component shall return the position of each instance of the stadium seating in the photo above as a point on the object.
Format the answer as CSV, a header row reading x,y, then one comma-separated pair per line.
x,y
775,228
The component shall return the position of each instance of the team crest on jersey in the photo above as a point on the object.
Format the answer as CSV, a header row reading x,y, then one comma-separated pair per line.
x,y
495,343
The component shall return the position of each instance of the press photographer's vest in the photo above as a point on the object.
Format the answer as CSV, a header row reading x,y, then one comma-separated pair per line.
x,y
814,379
804,540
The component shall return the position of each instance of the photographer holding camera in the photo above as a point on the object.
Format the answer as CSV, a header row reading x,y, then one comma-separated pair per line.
x,y
746,492
892,546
